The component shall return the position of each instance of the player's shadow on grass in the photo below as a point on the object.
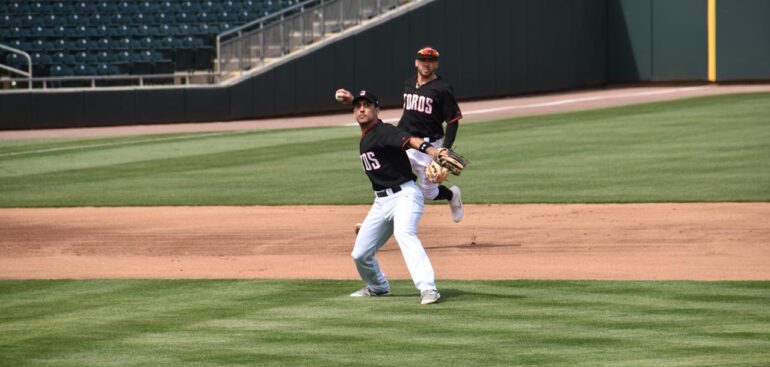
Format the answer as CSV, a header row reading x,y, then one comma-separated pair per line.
x,y
459,294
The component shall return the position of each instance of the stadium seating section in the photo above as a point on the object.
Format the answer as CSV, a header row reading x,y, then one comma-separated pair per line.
x,y
116,37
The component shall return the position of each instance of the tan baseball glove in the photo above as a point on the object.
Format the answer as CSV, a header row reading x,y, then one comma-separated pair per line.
x,y
444,161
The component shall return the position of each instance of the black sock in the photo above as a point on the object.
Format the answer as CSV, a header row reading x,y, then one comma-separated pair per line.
x,y
443,193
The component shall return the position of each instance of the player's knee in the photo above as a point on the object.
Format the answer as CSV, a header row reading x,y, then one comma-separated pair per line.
x,y
430,193
360,256
405,235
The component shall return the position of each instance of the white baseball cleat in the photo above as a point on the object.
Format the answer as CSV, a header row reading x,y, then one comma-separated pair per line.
x,y
366,292
456,204
429,296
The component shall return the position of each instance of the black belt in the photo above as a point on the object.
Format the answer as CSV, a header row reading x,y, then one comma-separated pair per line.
x,y
384,193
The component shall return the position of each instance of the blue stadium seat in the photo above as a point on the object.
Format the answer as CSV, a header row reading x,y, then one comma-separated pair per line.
x,y
121,18
63,8
84,70
127,8
60,70
63,58
184,17
108,69
9,20
169,7
191,7
105,8
99,19
148,43
40,32
41,63
203,29
82,57
85,7
104,44
167,29
77,31
59,45
124,56
16,61
143,18
52,20
40,8
211,6
65,31
37,45
146,30
75,19
149,7
163,18
81,44
106,57
32,20
245,16
228,17
125,43
18,7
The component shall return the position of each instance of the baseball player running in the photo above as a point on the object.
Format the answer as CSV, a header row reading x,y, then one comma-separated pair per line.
x,y
398,203
429,101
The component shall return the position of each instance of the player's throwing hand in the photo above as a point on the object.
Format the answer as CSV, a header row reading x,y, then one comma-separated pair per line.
x,y
343,96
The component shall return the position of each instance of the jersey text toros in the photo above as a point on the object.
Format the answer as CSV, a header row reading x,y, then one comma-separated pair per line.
x,y
414,102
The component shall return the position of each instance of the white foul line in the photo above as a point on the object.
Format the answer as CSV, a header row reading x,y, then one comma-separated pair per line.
x,y
583,99
569,101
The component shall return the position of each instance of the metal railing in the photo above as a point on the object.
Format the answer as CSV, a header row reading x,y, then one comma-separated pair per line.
x,y
11,69
289,30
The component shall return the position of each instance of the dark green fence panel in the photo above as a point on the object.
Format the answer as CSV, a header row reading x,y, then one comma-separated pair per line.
x,y
207,104
57,109
629,41
109,108
679,39
242,100
16,111
160,105
743,40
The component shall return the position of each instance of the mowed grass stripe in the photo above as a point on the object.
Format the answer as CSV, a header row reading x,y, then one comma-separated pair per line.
x,y
697,150
287,323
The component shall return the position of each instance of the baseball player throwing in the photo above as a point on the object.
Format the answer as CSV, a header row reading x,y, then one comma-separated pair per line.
x,y
398,203
429,101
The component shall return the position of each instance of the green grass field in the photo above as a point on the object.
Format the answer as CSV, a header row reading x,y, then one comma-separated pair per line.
x,y
697,150
315,323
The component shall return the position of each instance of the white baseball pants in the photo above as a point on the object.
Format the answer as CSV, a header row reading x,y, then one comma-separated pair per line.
x,y
397,214
419,161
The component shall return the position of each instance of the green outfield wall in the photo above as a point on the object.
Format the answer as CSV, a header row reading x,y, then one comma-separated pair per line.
x,y
489,48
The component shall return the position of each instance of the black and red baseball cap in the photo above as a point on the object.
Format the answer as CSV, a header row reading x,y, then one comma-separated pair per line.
x,y
427,53
364,94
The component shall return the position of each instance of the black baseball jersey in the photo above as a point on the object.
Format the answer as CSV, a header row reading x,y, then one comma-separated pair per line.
x,y
382,155
426,108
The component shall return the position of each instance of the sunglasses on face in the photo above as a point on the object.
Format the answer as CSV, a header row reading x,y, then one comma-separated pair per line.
x,y
428,53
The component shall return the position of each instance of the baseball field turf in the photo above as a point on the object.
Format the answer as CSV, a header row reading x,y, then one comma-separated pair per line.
x,y
712,149
696,150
